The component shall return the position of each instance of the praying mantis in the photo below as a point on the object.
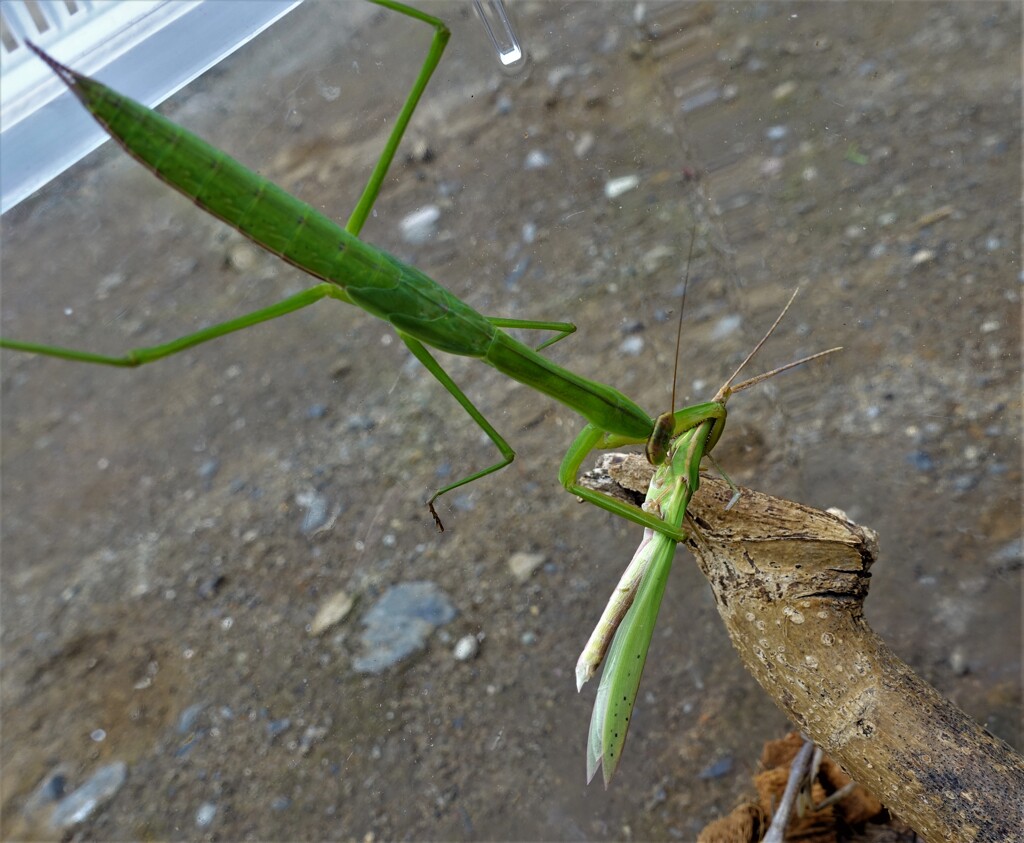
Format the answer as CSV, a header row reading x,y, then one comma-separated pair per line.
x,y
424,315
623,634
422,312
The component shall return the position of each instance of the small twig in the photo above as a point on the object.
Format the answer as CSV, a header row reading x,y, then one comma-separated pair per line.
x,y
798,771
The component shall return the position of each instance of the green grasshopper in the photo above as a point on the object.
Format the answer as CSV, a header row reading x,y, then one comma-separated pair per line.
x,y
422,312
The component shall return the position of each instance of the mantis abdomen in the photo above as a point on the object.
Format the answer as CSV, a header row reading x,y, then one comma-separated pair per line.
x,y
413,303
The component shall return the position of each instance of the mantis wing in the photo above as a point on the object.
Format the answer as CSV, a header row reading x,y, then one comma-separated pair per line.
x,y
620,680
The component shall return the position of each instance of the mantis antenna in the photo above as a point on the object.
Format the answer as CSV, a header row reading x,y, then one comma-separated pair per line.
x,y
664,425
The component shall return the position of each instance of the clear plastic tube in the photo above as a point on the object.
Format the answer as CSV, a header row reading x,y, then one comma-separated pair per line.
x,y
499,29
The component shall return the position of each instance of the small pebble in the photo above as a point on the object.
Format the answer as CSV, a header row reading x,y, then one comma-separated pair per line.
x,y
187,719
316,511
331,612
616,187
583,145
421,225
466,648
786,89
205,814
242,257
922,256
98,789
522,565
536,160
632,346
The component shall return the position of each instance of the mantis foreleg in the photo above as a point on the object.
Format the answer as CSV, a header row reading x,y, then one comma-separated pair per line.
x,y
592,437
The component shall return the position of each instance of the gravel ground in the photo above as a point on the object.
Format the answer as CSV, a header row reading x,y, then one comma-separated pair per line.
x,y
171,533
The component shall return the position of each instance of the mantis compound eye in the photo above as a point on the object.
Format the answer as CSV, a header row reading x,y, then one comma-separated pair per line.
x,y
658,442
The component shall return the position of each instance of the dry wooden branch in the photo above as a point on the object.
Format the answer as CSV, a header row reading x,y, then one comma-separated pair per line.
x,y
790,583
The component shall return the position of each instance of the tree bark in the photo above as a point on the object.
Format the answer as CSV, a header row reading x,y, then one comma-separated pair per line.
x,y
790,584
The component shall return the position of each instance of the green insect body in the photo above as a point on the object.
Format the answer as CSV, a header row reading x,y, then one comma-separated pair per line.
x,y
423,313
673,485
632,612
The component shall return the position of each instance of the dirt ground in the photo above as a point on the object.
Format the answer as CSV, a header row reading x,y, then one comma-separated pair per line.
x,y
160,569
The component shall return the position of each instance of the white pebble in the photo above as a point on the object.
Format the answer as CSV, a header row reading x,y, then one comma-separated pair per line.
x,y
466,648
632,346
522,565
784,90
419,226
616,187
205,814
332,611
536,160
584,145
